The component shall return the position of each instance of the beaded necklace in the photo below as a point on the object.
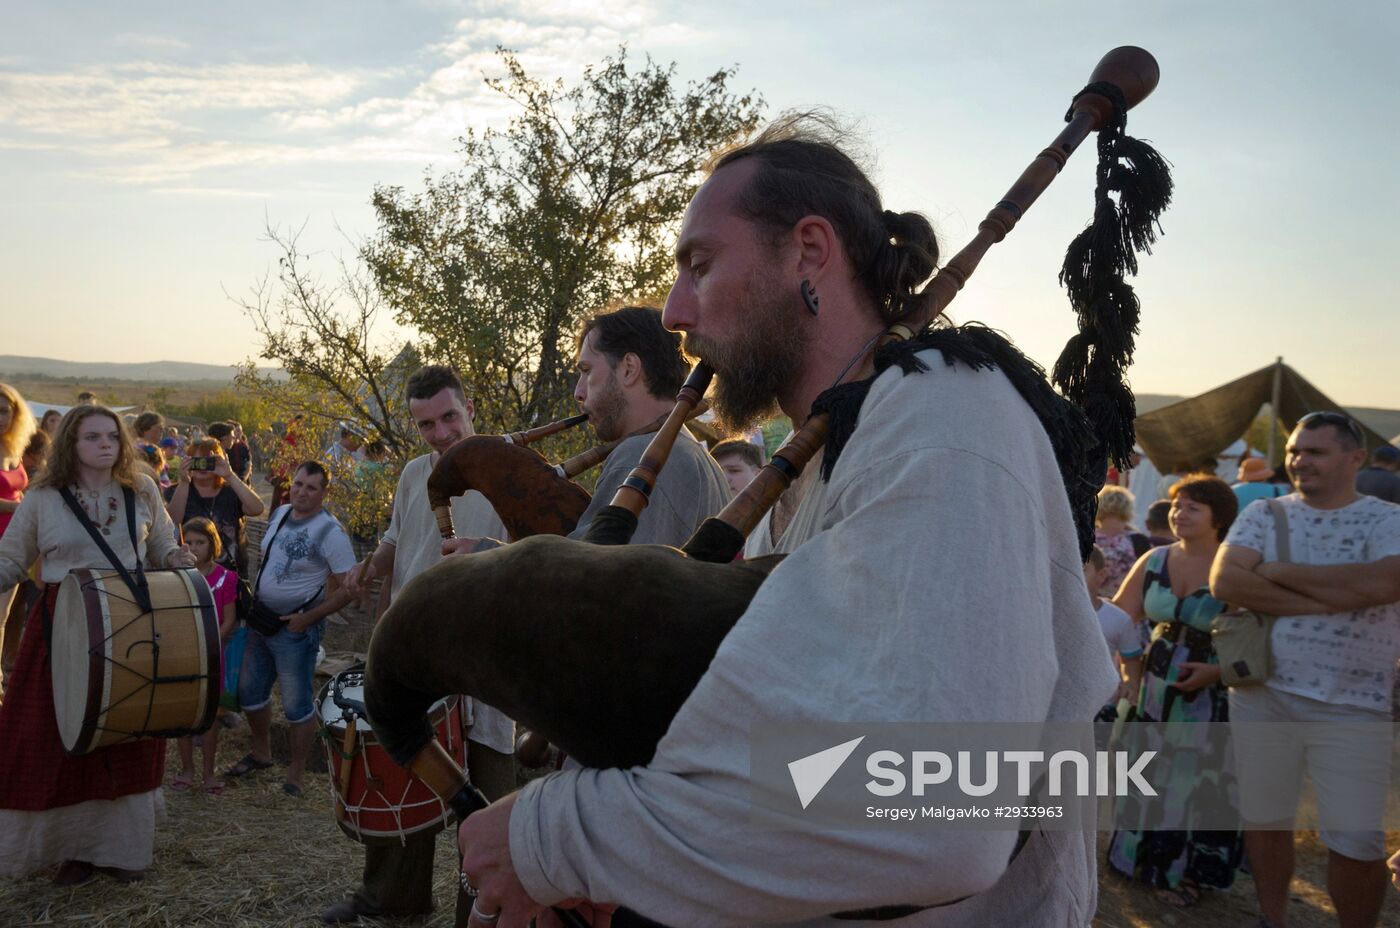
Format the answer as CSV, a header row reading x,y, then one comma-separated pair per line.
x,y
91,501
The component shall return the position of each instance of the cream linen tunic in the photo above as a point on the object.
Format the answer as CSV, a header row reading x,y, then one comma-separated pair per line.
x,y
942,551
418,545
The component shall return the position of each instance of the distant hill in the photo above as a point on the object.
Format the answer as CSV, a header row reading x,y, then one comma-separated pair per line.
x,y
1384,421
148,372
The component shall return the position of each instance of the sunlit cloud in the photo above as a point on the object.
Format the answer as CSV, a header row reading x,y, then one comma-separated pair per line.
x,y
177,127
221,192
142,98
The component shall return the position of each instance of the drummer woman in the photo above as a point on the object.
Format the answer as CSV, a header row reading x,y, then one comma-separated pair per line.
x,y
95,812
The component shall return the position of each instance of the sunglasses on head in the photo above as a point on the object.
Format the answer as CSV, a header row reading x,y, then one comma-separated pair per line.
x,y
1340,420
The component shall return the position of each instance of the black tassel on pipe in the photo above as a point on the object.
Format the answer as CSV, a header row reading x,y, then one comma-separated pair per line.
x,y
1091,424
1133,187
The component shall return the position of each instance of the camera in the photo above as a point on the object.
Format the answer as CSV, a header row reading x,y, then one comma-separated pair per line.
x,y
201,463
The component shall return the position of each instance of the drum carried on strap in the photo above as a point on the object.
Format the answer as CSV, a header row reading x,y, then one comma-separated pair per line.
x,y
121,673
376,800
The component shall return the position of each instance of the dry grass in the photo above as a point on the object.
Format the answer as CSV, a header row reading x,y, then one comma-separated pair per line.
x,y
250,858
1125,904
255,857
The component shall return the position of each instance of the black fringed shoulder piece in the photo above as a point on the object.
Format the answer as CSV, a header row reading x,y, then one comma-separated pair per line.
x,y
980,347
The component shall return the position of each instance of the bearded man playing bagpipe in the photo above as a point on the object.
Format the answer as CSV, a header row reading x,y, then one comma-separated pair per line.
x,y
933,574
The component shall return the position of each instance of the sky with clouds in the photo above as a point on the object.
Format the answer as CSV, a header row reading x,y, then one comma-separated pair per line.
x,y
144,146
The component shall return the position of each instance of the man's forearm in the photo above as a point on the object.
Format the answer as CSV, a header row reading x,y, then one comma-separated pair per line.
x,y
383,559
1344,587
1249,590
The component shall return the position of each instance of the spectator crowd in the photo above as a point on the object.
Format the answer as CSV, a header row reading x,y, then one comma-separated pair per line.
x,y
1313,543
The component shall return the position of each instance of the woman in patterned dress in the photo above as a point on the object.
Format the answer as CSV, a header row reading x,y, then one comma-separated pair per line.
x,y
1168,587
1121,544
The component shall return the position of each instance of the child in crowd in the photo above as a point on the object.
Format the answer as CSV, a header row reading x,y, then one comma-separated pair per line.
x,y
1159,530
203,538
740,459
171,448
150,454
1124,639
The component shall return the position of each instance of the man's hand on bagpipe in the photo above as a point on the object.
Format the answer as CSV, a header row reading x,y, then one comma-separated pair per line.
x,y
488,874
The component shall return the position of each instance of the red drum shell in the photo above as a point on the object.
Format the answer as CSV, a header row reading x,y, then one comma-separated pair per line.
x,y
384,803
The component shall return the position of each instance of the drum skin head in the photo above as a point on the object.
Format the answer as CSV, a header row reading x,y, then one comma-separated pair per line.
x,y
377,801
120,673
68,655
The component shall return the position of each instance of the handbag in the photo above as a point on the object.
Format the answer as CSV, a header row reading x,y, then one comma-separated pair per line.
x,y
233,664
1242,639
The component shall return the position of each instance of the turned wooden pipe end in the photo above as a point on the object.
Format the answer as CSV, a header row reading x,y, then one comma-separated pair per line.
x,y
443,515
1131,69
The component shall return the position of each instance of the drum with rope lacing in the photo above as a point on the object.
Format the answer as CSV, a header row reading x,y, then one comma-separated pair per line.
x,y
121,672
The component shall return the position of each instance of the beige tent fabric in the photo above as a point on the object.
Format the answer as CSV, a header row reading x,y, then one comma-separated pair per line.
x,y
1192,430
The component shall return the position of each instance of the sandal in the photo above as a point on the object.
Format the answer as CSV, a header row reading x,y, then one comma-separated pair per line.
x,y
182,782
213,787
1184,895
248,764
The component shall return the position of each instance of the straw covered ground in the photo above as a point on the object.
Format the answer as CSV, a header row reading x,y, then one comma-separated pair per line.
x,y
255,857
252,857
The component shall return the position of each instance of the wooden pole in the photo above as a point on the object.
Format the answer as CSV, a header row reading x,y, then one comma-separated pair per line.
x,y
1274,400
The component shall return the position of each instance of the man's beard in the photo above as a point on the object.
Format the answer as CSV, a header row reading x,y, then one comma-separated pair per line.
x,y
761,358
609,410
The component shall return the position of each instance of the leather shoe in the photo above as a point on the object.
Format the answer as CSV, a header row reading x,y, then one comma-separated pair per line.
x,y
74,873
123,876
347,910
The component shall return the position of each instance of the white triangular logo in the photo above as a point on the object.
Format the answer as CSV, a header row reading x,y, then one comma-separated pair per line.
x,y
811,773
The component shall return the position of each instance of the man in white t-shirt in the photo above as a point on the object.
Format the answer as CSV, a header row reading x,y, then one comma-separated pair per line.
x,y
346,448
398,879
1334,652
305,557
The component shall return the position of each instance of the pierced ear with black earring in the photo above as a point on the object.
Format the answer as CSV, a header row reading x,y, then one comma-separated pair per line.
x,y
809,297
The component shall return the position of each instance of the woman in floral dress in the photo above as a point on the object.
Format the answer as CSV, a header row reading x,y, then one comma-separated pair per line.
x,y
1180,683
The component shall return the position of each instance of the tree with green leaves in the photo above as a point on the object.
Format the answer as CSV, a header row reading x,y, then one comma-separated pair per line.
x,y
571,208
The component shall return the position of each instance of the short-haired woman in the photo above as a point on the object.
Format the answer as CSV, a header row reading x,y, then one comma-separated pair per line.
x,y
149,428
1181,683
96,811
1120,542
